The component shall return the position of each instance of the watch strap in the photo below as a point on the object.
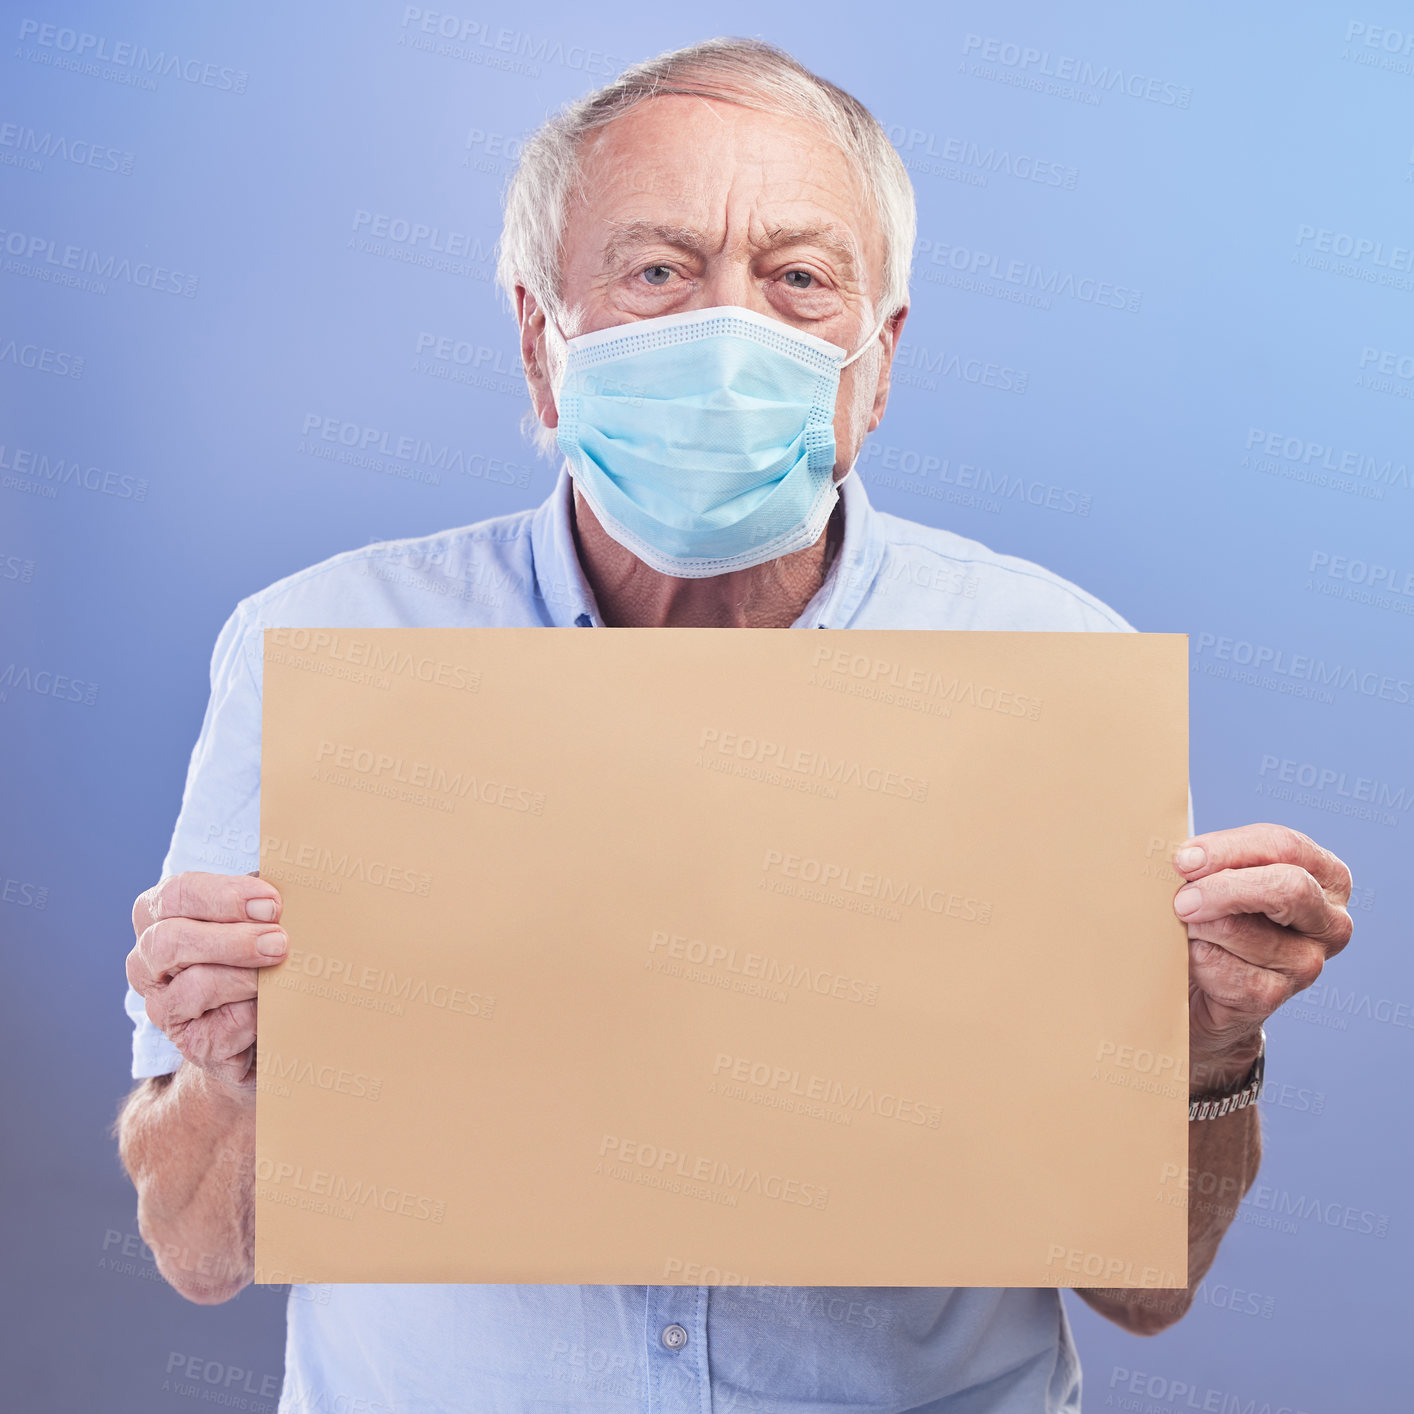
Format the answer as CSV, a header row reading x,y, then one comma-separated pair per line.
x,y
1247,1092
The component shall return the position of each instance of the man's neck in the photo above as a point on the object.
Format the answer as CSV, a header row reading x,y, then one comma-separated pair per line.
x,y
631,595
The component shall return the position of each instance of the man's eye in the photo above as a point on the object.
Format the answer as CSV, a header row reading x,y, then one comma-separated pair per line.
x,y
657,274
799,279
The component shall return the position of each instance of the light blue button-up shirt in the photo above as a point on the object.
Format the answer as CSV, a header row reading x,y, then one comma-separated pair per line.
x,y
375,1349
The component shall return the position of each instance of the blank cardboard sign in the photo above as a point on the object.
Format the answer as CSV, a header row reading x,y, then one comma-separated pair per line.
x,y
624,956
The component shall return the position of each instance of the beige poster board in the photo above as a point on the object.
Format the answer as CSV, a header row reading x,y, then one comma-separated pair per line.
x,y
674,955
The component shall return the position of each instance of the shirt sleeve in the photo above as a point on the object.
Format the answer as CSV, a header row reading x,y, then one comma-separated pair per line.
x,y
218,826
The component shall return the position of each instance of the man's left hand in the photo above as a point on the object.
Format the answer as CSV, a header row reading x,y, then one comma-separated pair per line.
x,y
1265,907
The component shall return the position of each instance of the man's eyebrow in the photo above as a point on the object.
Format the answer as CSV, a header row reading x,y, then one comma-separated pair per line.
x,y
632,234
837,240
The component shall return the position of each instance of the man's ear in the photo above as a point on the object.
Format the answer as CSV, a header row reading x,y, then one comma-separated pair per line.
x,y
533,356
891,333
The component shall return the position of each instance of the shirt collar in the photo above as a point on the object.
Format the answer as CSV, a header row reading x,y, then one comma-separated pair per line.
x,y
569,601
856,562
559,580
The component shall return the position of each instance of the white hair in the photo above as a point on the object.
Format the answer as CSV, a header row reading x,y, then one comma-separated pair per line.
x,y
750,72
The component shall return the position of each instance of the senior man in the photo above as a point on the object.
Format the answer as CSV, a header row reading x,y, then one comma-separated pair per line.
x,y
708,259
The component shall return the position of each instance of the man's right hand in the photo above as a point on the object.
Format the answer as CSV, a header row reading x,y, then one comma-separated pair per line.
x,y
200,938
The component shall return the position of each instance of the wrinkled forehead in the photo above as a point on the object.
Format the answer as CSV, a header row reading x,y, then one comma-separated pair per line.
x,y
725,172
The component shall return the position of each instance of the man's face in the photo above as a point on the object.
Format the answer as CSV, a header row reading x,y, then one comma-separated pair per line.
x,y
689,203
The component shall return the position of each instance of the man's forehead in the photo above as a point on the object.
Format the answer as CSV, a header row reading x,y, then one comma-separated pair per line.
x,y
672,169
667,121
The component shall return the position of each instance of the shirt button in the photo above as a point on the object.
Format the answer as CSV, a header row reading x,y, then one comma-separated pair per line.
x,y
674,1337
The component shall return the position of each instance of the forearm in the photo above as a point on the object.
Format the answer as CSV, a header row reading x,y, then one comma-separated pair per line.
x,y
188,1143
1223,1157
1265,907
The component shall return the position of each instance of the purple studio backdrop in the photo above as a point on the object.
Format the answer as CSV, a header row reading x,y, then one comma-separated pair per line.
x,y
1161,341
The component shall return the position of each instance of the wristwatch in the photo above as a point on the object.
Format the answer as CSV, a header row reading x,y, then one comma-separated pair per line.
x,y
1224,1102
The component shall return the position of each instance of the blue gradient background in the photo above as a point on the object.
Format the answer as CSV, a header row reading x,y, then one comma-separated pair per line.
x,y
1295,118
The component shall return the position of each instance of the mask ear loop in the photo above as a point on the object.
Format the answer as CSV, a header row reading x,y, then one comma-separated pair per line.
x,y
557,378
859,353
866,345
557,367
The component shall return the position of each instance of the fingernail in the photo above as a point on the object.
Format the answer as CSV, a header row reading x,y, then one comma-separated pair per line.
x,y
1187,860
1188,900
262,910
272,944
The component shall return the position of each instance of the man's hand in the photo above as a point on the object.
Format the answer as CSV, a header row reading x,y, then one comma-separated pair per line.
x,y
1265,907
200,938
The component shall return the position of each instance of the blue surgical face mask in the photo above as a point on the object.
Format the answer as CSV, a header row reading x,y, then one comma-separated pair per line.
x,y
704,442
